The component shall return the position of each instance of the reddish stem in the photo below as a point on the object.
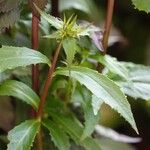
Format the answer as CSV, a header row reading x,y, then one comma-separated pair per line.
x,y
48,82
108,23
35,68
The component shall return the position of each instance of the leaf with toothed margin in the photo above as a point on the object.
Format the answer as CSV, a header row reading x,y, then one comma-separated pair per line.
x,y
23,135
20,91
59,137
13,57
103,88
55,22
142,5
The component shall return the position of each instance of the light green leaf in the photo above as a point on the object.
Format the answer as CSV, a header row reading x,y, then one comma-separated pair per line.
x,y
12,57
59,137
139,85
20,91
113,65
103,88
70,46
23,135
74,129
55,22
96,104
143,5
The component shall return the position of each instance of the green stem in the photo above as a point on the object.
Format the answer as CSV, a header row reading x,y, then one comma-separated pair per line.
x,y
48,82
108,23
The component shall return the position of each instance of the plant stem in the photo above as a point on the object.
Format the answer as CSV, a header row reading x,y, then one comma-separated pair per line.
x,y
35,74
48,82
108,23
35,44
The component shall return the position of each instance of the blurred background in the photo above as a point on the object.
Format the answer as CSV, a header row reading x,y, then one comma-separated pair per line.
x,y
129,41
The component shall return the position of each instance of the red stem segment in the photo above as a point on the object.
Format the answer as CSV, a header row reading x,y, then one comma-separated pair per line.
x,y
35,68
48,82
108,23
35,44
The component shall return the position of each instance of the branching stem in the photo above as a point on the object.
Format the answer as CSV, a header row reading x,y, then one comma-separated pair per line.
x,y
48,82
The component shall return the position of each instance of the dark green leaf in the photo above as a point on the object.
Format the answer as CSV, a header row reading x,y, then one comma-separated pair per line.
x,y
59,137
103,88
12,57
20,91
74,128
22,136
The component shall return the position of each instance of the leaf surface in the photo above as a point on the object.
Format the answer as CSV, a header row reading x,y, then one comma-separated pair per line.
x,y
70,46
103,88
59,137
55,22
20,91
74,129
143,5
23,135
12,57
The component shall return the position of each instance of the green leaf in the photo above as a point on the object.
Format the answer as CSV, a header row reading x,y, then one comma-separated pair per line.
x,y
59,137
113,65
23,135
139,85
70,46
74,129
20,91
83,96
103,88
12,57
96,104
55,22
143,5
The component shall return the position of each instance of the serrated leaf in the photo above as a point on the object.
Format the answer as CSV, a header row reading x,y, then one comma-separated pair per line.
x,y
70,47
103,88
8,19
143,5
113,65
23,135
55,22
59,137
73,127
96,104
12,57
139,85
20,91
41,4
